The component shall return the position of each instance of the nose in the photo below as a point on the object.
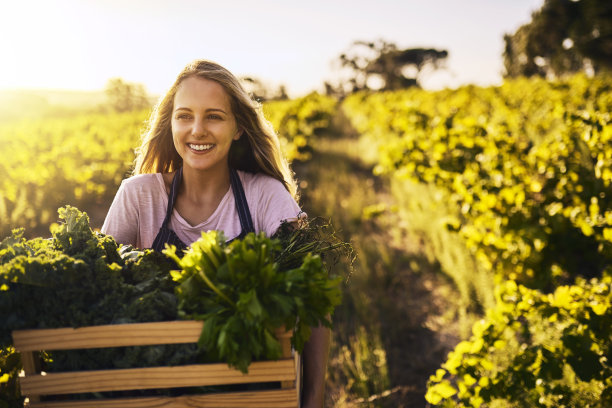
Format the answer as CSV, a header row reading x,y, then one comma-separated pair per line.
x,y
197,128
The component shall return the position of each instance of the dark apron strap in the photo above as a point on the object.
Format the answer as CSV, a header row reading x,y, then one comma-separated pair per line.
x,y
166,235
244,214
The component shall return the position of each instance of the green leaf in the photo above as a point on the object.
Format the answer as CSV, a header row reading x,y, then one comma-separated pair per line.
x,y
273,347
253,306
439,392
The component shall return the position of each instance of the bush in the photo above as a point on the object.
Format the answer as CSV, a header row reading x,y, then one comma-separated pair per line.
x,y
534,349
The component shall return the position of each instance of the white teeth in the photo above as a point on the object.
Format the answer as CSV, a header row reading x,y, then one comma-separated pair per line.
x,y
200,147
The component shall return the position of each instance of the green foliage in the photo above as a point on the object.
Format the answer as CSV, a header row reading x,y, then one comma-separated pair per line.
x,y
423,213
534,349
81,278
125,97
10,365
528,166
78,278
361,365
532,188
243,296
297,121
563,37
47,163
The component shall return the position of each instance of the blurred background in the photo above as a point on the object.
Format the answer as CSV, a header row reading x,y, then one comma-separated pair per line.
x,y
463,148
74,45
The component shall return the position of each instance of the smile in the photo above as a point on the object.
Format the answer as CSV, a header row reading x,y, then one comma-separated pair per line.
x,y
200,147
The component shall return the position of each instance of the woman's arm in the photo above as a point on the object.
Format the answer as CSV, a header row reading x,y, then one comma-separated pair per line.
x,y
314,357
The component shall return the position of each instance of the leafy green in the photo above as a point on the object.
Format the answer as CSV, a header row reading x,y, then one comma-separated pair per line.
x,y
78,277
81,278
248,289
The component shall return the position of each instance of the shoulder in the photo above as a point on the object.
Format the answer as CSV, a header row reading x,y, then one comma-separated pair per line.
x,y
260,182
143,179
152,183
270,203
266,191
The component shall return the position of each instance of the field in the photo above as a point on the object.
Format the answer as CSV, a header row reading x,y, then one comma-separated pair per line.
x,y
481,220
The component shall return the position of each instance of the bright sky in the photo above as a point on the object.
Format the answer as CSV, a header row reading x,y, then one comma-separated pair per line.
x,y
80,44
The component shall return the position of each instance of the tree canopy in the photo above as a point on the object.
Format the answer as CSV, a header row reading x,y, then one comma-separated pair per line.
x,y
124,96
262,92
563,37
394,68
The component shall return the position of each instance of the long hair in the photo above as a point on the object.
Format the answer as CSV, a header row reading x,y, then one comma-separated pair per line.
x,y
257,150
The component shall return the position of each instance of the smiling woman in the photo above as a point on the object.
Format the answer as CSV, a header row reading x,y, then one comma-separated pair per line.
x,y
211,162
207,143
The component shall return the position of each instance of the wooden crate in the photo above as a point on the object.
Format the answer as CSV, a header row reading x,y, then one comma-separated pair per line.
x,y
36,384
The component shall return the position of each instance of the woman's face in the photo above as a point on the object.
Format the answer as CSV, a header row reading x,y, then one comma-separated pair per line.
x,y
203,124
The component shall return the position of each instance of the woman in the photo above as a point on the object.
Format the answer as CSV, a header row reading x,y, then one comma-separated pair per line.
x,y
210,161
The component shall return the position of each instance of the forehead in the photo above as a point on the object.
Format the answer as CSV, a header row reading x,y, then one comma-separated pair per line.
x,y
196,92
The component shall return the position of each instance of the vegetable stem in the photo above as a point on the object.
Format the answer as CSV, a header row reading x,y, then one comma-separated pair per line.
x,y
215,289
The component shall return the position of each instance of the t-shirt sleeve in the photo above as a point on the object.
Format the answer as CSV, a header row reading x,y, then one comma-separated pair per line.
x,y
275,205
122,219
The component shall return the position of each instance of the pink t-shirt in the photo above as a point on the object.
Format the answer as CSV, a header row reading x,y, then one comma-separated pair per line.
x,y
139,208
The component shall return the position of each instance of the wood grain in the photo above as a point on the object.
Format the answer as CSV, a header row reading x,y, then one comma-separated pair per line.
x,y
115,335
255,399
34,384
155,378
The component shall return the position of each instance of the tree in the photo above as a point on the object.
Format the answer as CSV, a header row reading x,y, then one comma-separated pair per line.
x,y
262,92
123,96
382,62
563,37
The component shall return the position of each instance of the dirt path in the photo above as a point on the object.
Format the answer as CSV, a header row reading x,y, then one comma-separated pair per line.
x,y
394,295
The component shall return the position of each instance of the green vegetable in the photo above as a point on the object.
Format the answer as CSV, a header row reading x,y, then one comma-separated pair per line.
x,y
244,291
81,278
247,289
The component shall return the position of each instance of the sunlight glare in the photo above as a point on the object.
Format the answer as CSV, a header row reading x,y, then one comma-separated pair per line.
x,y
39,46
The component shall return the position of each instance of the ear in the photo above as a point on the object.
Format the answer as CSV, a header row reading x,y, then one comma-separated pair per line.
x,y
238,134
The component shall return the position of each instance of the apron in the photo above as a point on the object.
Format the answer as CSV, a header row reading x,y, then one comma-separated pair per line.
x,y
168,236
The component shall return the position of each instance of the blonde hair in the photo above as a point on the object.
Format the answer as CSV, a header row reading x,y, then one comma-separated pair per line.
x,y
257,150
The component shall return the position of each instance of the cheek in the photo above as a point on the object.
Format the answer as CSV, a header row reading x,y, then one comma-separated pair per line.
x,y
174,128
175,133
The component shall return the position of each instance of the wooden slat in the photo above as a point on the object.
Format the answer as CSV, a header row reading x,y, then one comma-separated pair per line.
x,y
116,335
29,363
155,377
254,399
31,366
297,384
286,352
141,334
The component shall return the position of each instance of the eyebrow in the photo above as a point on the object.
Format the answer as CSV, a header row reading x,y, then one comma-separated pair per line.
x,y
207,110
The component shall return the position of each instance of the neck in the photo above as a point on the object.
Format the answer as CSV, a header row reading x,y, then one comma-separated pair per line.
x,y
202,186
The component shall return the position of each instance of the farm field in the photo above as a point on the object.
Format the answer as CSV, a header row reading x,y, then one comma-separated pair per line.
x,y
481,219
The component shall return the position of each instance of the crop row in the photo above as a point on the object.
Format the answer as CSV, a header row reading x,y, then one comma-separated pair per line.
x,y
528,166
51,162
